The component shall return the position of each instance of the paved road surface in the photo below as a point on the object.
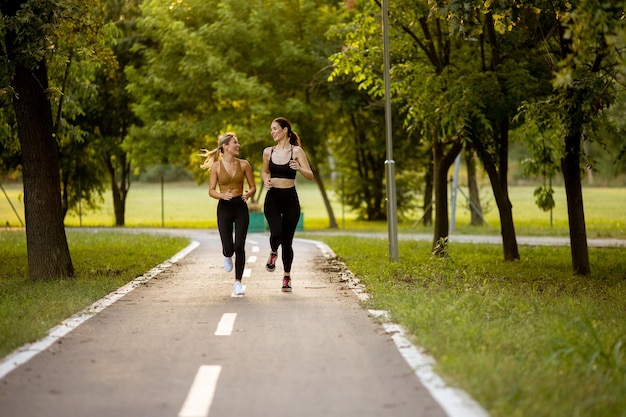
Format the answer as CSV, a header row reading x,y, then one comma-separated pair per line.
x,y
314,352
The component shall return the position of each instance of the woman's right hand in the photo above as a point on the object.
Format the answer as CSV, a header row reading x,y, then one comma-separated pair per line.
x,y
268,184
228,195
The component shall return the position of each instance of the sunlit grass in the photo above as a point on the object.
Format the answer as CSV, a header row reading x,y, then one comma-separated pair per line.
x,y
187,205
104,261
604,213
524,338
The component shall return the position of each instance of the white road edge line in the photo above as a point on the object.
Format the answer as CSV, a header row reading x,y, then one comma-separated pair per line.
x,y
28,351
455,402
201,393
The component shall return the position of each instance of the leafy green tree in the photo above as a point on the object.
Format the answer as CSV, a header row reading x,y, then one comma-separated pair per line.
x,y
424,78
589,52
575,46
543,149
212,66
107,115
72,71
493,87
360,63
27,29
583,43
359,153
444,86
78,50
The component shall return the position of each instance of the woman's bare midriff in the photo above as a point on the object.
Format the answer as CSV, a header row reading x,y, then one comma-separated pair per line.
x,y
283,183
235,193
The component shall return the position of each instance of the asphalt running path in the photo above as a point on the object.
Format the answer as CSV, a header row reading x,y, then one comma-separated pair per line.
x,y
182,345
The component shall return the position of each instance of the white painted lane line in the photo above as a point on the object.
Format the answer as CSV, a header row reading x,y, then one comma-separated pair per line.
x,y
200,396
255,249
225,326
251,259
247,272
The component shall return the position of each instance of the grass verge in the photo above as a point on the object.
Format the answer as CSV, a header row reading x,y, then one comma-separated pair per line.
x,y
104,261
187,204
524,338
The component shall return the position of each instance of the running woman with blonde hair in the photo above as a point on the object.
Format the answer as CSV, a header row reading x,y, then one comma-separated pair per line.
x,y
229,172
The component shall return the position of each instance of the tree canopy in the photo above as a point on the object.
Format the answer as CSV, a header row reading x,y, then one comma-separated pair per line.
x,y
121,85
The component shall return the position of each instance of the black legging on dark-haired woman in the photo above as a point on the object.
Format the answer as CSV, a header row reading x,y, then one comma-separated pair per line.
x,y
282,211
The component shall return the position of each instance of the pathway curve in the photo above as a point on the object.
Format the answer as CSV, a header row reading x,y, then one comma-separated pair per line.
x,y
180,344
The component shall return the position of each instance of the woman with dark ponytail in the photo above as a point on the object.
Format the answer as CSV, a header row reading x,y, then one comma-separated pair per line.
x,y
281,163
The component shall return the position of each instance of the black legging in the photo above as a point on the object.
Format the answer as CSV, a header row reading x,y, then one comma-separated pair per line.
x,y
229,213
282,211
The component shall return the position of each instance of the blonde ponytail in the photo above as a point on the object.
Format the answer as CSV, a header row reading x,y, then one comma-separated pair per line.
x,y
216,154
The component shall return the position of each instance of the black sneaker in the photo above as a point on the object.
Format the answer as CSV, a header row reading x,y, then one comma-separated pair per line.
x,y
270,265
286,284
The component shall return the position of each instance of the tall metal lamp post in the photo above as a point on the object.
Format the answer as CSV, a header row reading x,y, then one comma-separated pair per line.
x,y
390,165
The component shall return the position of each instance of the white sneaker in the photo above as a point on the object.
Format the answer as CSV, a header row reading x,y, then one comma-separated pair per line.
x,y
228,264
239,290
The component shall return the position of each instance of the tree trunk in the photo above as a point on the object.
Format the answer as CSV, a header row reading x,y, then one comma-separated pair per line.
x,y
476,213
570,165
119,189
500,187
505,210
496,164
427,218
332,222
48,252
119,206
442,161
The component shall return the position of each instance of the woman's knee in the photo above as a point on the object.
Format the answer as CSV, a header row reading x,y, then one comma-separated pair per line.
x,y
240,247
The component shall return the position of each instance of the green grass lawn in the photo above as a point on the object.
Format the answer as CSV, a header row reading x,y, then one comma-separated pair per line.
x,y
187,204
